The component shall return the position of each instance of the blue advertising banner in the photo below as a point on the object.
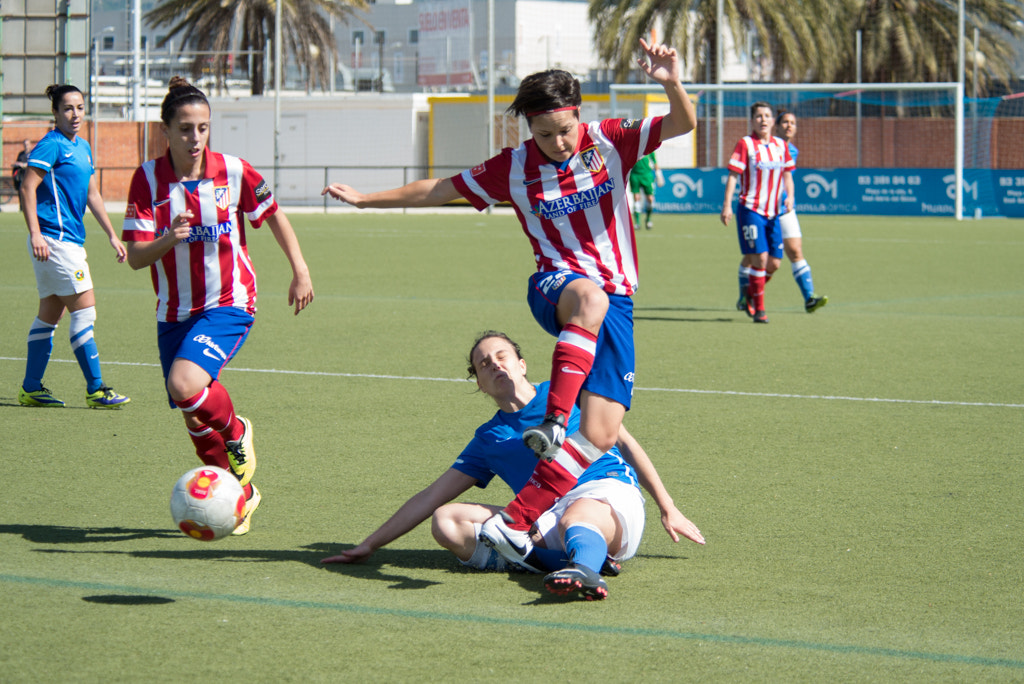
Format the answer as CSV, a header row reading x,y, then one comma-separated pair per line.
x,y
894,192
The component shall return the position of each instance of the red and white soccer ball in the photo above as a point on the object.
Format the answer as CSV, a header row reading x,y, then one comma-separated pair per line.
x,y
207,503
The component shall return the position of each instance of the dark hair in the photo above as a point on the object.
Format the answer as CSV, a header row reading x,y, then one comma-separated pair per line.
x,y
56,94
486,335
180,93
758,105
544,91
782,113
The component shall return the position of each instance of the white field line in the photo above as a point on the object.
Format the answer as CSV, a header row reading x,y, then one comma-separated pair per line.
x,y
775,395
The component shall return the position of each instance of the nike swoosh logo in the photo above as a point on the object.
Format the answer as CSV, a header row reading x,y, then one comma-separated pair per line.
x,y
209,353
95,356
161,203
530,182
68,154
566,369
520,549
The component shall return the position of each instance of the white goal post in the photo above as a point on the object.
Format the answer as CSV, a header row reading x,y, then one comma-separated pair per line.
x,y
712,97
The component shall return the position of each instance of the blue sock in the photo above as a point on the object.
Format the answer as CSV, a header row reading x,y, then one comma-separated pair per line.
x,y
586,546
552,559
744,280
802,276
84,345
40,346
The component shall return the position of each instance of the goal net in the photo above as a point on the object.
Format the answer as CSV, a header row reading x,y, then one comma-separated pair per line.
x,y
909,148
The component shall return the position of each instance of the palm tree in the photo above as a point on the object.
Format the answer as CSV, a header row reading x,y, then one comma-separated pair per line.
x,y
814,40
784,28
916,40
242,25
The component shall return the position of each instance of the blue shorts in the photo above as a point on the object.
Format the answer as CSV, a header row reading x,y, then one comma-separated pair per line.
x,y
209,340
758,234
615,356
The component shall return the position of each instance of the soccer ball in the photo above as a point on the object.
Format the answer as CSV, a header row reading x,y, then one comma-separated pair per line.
x,y
207,503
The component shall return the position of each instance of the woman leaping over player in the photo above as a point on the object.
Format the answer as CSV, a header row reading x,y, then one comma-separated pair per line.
x,y
568,184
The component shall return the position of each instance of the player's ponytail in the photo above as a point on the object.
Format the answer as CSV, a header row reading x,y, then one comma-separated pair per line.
x,y
180,93
56,94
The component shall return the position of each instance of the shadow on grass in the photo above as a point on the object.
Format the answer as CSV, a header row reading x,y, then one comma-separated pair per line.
x,y
384,566
379,566
128,600
57,534
649,313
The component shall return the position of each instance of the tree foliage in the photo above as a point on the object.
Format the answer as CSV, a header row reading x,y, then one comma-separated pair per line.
x,y
241,25
815,40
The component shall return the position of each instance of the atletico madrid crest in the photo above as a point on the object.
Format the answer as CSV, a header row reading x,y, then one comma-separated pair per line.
x,y
222,196
592,159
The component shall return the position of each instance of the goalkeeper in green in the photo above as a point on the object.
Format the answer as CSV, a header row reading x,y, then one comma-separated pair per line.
x,y
641,184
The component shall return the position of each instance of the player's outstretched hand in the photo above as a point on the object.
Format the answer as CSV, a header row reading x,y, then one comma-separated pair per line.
x,y
356,555
300,293
726,215
660,62
119,249
677,524
344,193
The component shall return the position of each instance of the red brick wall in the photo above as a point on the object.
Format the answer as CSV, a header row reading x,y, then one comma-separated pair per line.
x,y
117,152
830,143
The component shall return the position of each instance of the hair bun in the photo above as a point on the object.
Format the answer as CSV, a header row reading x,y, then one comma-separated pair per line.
x,y
178,82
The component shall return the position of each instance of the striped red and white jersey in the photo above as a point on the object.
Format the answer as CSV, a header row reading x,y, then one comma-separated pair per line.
x,y
577,217
211,268
760,166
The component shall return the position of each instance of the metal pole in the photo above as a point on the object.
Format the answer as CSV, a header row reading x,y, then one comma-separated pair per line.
x,y
277,91
334,66
974,103
94,113
719,30
860,79
490,78
958,170
145,106
136,49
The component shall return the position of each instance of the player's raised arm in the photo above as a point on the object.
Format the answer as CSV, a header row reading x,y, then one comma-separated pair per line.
x,y
661,63
429,192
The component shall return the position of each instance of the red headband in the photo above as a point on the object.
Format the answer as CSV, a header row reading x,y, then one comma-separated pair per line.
x,y
552,111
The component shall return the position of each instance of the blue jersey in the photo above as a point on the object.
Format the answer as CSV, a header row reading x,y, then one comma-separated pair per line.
x,y
61,197
794,153
497,448
610,466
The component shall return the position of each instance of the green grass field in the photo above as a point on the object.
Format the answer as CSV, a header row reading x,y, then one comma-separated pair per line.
x,y
857,473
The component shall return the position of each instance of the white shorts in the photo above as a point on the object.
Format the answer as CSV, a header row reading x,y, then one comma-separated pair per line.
x,y
65,273
626,501
790,225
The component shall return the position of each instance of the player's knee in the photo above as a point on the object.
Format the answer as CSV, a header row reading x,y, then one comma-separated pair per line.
x,y
441,526
592,307
600,437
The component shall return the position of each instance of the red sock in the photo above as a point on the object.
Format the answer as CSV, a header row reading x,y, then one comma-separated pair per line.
x,y
570,366
548,483
210,449
213,407
756,290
